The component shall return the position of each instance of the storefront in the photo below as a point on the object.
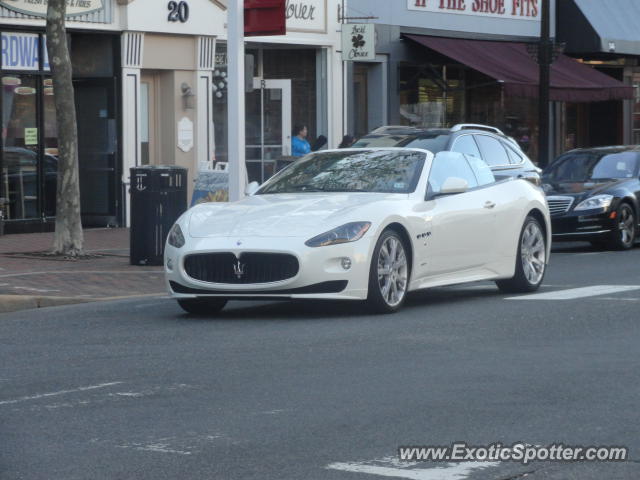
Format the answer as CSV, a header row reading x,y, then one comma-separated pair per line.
x,y
296,81
174,85
28,159
603,35
451,62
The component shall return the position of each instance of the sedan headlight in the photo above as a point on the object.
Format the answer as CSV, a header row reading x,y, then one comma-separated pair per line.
x,y
597,201
175,238
349,232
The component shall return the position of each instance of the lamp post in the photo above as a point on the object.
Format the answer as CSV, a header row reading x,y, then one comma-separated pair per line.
x,y
236,103
544,63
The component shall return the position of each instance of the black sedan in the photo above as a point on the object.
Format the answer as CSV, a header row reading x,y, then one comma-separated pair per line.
x,y
594,195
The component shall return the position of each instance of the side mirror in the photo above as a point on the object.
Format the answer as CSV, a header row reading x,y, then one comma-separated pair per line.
x,y
251,188
454,185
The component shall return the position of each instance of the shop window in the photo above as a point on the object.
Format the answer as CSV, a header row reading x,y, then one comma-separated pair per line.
x,y
288,78
20,137
92,55
431,96
520,121
636,109
299,65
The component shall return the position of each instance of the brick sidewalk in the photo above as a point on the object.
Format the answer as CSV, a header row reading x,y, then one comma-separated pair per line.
x,y
106,274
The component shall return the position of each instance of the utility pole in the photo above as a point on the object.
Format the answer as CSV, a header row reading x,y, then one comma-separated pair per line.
x,y
236,100
544,62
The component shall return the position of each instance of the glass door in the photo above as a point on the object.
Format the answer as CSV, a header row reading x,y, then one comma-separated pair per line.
x,y
268,127
97,151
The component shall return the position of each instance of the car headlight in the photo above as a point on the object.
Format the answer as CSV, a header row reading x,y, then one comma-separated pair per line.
x,y
349,232
175,238
597,201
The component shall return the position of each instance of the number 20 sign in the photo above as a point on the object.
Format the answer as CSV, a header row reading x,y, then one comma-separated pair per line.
x,y
178,11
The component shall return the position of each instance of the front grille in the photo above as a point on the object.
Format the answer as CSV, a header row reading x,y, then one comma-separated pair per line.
x,y
250,267
559,205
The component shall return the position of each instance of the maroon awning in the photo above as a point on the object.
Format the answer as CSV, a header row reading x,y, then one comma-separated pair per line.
x,y
510,63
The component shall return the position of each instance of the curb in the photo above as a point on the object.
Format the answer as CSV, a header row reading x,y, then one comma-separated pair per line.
x,y
13,303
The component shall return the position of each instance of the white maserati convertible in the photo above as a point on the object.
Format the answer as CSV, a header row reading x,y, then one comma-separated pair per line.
x,y
361,224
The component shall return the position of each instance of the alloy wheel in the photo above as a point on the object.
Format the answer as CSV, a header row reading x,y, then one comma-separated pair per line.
x,y
533,253
626,225
392,271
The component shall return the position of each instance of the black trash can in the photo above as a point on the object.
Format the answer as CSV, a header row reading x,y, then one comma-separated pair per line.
x,y
158,198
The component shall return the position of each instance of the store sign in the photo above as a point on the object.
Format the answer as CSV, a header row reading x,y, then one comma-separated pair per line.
x,y
306,16
358,42
512,9
39,7
21,51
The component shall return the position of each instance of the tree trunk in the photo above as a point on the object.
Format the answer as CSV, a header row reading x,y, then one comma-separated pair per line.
x,y
68,239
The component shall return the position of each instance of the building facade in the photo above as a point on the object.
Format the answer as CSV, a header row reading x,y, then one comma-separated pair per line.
x,y
459,61
603,35
150,83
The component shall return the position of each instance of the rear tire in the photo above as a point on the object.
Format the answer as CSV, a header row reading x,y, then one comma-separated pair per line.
x,y
389,274
624,234
530,261
202,306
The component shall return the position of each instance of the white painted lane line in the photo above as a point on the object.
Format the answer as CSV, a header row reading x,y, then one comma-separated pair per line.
x,y
38,290
452,471
61,392
574,293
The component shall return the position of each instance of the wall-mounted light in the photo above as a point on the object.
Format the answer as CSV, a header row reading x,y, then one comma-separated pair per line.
x,y
188,97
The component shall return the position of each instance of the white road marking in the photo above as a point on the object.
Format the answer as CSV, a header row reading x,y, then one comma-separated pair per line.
x,y
624,299
61,392
155,447
574,293
39,290
449,471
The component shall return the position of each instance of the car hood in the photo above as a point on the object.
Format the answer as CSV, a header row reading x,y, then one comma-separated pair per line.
x,y
580,190
284,215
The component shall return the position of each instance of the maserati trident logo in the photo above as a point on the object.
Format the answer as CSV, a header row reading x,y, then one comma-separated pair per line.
x,y
238,269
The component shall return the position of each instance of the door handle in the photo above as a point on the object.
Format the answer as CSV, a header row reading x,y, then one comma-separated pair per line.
x,y
489,204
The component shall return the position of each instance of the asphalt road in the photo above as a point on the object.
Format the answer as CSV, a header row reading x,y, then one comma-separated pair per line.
x,y
137,390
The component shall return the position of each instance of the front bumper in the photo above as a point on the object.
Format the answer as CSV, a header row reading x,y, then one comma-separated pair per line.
x,y
582,225
320,274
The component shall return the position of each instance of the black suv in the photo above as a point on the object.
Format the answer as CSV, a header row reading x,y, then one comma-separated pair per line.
x,y
500,152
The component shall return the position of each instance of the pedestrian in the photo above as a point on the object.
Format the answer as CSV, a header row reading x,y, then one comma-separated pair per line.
x,y
299,144
347,141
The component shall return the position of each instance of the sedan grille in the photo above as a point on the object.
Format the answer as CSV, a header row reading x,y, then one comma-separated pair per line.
x,y
249,267
559,205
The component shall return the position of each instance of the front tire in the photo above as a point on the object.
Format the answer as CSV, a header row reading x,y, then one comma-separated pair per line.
x,y
530,261
202,306
624,233
389,274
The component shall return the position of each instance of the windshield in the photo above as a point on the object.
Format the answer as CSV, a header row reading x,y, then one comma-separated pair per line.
x,y
592,166
384,171
434,143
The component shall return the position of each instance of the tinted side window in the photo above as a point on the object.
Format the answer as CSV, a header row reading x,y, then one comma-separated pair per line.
x,y
514,157
443,168
467,145
482,171
492,150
